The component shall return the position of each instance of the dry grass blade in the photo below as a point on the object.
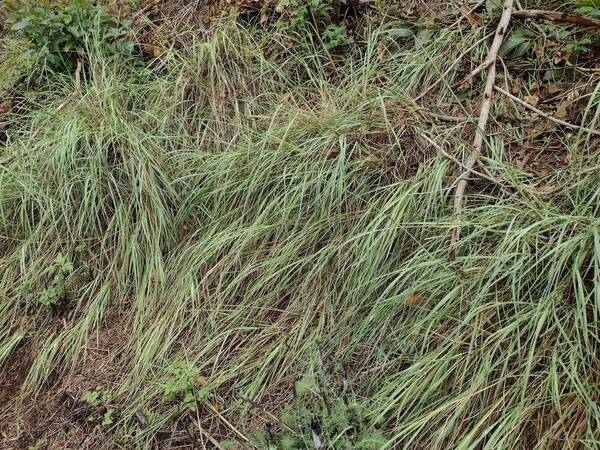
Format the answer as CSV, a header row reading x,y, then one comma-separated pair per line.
x,y
228,424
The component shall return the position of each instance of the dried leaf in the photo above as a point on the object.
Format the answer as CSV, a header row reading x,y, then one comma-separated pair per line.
x,y
563,55
473,18
533,100
516,87
562,111
412,299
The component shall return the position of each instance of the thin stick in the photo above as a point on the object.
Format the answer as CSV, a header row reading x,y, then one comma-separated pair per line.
x,y
205,433
75,91
582,69
546,115
498,39
457,162
490,63
557,16
226,422
449,69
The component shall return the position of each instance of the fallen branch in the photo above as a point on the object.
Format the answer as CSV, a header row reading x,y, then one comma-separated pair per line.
x,y
557,16
490,63
498,39
546,115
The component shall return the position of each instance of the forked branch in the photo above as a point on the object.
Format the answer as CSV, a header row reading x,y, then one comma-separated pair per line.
x,y
490,63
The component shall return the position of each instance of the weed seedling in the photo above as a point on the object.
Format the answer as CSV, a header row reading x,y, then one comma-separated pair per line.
x,y
185,385
60,271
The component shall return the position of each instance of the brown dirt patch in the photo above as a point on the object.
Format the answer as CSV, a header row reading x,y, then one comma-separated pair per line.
x,y
58,417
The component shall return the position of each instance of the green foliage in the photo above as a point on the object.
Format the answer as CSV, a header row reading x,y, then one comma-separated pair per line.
x,y
322,18
96,397
59,271
417,33
230,444
182,385
102,415
16,61
588,8
336,422
320,416
59,32
518,43
305,385
580,46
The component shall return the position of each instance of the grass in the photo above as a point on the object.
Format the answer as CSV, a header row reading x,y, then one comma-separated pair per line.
x,y
264,216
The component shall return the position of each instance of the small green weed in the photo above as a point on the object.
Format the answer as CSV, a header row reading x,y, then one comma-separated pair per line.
x,y
103,415
39,445
325,18
58,32
416,33
322,419
518,43
96,397
60,271
185,385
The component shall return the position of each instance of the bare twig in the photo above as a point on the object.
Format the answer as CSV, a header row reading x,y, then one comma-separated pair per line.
x,y
440,149
490,63
449,69
468,12
498,39
582,69
557,16
546,115
205,433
